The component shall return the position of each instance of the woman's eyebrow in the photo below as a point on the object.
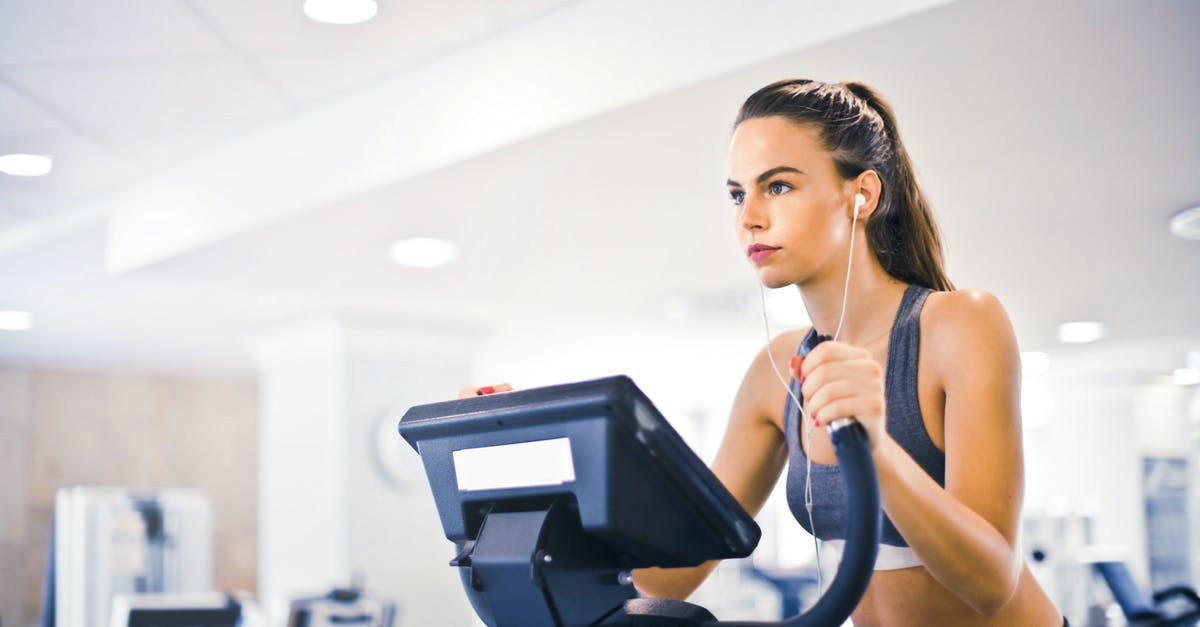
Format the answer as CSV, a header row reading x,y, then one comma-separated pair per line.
x,y
766,175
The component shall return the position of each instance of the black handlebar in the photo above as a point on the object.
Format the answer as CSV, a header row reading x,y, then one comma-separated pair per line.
x,y
862,534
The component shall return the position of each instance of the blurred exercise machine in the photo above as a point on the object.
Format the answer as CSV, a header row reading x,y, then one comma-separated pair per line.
x,y
342,606
175,610
107,542
1177,606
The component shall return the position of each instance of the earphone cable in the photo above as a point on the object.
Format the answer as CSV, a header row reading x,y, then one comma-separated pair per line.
x,y
807,444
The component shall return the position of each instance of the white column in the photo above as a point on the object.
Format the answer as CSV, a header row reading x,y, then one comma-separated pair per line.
x,y
396,538
303,523
333,391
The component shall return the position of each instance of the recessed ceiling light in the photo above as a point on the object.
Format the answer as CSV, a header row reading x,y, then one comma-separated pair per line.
x,y
16,321
340,11
1080,332
26,165
423,252
1186,376
1186,223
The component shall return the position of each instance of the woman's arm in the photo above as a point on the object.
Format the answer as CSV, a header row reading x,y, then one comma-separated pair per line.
x,y
966,533
749,461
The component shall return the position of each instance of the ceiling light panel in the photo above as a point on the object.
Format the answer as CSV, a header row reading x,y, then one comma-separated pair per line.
x,y
1080,332
1186,223
423,252
340,11
12,320
26,164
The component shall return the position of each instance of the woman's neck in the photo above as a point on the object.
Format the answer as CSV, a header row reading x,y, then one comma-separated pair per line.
x,y
870,308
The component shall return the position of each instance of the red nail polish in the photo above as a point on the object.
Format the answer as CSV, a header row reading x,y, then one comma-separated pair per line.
x,y
793,362
487,389
803,379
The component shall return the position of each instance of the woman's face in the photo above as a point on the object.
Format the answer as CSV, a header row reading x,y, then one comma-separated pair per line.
x,y
792,209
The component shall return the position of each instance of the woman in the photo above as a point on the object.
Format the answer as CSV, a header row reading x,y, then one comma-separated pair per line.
x,y
826,200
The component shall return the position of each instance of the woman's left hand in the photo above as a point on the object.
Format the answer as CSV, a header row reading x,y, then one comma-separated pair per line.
x,y
843,381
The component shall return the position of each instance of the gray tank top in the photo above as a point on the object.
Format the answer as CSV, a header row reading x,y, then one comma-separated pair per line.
x,y
904,424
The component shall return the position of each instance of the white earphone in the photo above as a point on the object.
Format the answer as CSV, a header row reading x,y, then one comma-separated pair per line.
x,y
859,201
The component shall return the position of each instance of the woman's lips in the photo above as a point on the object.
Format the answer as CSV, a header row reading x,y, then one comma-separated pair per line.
x,y
758,252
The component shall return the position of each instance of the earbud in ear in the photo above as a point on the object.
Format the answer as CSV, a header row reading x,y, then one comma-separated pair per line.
x,y
859,201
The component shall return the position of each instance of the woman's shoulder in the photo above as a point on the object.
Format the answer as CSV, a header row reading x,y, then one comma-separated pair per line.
x,y
781,348
965,325
761,383
788,342
964,307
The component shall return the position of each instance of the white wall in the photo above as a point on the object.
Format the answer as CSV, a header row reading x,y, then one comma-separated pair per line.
x,y
396,538
1085,437
1082,456
690,371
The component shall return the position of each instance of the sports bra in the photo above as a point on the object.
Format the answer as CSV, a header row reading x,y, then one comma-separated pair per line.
x,y
904,423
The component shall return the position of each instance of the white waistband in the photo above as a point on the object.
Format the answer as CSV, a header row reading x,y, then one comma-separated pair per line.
x,y
889,558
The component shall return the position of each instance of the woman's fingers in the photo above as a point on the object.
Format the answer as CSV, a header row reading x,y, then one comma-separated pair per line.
x,y
865,372
795,364
840,381
867,408
831,352
468,392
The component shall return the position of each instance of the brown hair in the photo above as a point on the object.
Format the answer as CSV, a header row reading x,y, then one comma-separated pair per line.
x,y
859,130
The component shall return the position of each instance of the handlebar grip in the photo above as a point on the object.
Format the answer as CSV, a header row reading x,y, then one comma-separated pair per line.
x,y
863,527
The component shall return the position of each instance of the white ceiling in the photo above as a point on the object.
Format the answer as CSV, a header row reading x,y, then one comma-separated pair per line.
x,y
1055,140
118,90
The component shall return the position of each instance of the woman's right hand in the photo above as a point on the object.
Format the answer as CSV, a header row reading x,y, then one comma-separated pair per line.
x,y
468,392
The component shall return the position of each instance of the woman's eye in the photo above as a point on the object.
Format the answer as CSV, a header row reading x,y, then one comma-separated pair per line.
x,y
778,187
737,197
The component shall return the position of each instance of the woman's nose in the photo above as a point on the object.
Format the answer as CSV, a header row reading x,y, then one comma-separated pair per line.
x,y
753,216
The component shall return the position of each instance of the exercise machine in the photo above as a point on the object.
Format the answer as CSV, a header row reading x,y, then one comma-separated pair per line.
x,y
554,495
109,541
1176,606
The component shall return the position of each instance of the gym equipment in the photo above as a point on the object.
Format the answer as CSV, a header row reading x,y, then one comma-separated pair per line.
x,y
342,606
168,610
554,494
1149,612
112,541
791,585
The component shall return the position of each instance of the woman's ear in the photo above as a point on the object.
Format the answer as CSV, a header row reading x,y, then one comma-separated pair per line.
x,y
868,186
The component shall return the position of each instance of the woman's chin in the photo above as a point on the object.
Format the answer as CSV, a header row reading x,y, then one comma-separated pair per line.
x,y
773,282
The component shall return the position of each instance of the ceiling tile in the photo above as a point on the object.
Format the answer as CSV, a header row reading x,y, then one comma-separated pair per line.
x,y
12,212
81,170
19,114
158,103
55,31
404,31
309,79
313,60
